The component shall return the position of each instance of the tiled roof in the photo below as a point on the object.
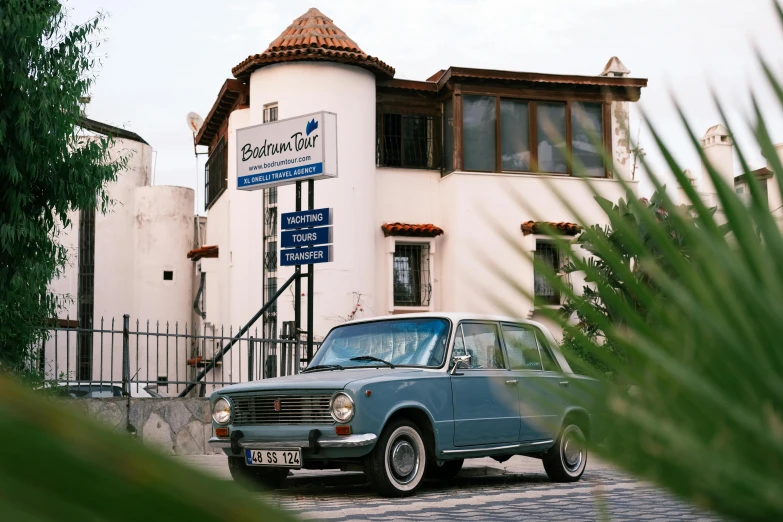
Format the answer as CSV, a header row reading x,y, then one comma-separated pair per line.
x,y
312,36
543,227
205,251
405,229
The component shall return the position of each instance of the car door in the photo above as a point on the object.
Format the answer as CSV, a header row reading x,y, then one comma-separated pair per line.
x,y
541,405
484,395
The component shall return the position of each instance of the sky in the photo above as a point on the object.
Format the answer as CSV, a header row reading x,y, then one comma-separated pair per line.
x,y
162,59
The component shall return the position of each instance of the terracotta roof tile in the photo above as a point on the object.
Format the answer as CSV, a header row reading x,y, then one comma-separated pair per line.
x,y
312,36
205,251
544,227
404,229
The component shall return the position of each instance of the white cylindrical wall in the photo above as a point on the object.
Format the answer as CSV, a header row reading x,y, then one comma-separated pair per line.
x,y
306,87
163,232
163,236
114,245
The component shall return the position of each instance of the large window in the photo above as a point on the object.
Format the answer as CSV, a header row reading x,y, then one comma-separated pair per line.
x,y
407,140
515,135
478,127
587,137
448,136
551,137
412,275
216,173
548,255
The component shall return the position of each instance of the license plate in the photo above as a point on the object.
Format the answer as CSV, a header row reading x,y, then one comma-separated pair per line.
x,y
268,457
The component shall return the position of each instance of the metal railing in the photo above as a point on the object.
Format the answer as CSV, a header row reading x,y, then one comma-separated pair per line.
x,y
136,355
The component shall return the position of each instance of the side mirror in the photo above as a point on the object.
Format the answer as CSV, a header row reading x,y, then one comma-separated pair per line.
x,y
459,362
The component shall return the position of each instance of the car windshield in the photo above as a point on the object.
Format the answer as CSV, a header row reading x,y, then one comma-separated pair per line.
x,y
404,342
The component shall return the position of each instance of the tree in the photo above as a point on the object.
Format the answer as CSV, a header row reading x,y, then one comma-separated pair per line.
x,y
608,247
46,168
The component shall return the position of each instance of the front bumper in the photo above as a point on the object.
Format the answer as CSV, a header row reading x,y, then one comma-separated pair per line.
x,y
348,441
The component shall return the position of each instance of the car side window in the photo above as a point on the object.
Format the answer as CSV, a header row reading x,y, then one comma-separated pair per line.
x,y
522,348
482,344
546,356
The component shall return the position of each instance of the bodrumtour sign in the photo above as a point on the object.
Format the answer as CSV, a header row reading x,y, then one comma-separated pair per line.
x,y
285,151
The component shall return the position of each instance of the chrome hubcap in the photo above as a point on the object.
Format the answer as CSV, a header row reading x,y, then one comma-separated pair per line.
x,y
403,458
573,452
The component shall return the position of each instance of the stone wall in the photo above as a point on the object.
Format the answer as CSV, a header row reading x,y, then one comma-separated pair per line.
x,y
177,426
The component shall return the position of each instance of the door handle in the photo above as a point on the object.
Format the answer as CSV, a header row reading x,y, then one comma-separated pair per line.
x,y
563,383
512,381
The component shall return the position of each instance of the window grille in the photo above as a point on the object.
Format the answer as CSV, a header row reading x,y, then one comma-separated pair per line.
x,y
85,294
545,293
270,245
407,140
216,173
412,285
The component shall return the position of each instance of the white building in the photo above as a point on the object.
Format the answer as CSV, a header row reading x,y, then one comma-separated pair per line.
x,y
130,260
718,148
430,177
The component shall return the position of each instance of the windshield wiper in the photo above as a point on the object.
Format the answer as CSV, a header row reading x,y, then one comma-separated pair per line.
x,y
371,358
319,367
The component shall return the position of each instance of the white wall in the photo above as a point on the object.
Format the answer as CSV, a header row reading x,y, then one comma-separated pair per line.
x,y
405,196
301,88
114,235
481,218
145,231
163,237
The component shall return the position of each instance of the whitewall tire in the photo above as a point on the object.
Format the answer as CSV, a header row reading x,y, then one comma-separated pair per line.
x,y
566,460
397,464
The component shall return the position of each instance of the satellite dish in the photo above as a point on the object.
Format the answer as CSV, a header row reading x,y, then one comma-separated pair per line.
x,y
195,122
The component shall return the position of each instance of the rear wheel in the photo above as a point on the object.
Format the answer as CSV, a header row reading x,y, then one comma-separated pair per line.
x,y
397,463
566,460
268,478
447,470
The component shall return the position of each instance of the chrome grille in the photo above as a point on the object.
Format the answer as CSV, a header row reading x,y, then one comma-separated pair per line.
x,y
255,410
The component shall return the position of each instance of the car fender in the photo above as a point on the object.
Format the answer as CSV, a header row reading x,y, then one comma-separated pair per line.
x,y
580,411
410,404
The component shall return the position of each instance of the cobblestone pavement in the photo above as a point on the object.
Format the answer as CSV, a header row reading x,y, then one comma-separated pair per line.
x,y
485,490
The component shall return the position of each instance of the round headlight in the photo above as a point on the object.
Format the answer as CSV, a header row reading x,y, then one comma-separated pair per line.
x,y
342,407
221,411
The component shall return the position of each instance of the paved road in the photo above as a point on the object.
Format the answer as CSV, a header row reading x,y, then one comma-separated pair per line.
x,y
485,490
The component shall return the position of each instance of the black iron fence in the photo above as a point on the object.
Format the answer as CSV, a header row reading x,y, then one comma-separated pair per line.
x,y
143,358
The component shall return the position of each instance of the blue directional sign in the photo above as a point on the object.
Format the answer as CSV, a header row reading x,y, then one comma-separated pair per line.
x,y
306,237
306,256
319,217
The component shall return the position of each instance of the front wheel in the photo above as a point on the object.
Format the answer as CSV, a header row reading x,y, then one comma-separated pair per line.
x,y
396,465
566,460
268,478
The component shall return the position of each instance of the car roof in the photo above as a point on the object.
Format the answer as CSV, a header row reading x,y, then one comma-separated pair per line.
x,y
454,316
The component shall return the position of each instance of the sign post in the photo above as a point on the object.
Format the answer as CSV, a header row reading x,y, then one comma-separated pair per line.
x,y
291,151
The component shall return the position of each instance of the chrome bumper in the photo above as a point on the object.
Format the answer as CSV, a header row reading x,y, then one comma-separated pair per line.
x,y
348,441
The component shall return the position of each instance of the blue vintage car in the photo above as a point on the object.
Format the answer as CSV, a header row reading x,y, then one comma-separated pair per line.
x,y
406,397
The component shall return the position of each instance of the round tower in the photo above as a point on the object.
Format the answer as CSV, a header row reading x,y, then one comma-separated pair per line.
x,y
314,66
719,150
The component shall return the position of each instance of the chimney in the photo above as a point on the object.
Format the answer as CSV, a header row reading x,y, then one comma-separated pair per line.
x,y
614,67
719,150
620,123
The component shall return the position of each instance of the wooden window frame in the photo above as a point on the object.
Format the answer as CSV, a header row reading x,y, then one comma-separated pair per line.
x,y
533,97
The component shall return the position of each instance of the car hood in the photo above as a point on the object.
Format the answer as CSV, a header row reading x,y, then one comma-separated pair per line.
x,y
319,380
